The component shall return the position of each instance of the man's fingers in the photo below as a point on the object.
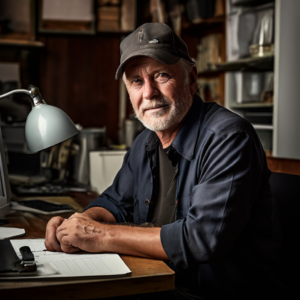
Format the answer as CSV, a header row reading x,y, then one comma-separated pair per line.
x,y
66,246
51,242
60,228
60,232
79,215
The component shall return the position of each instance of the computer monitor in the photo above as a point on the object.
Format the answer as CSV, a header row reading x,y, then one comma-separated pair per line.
x,y
5,192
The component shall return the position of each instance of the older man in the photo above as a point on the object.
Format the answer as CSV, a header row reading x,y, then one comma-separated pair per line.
x,y
198,171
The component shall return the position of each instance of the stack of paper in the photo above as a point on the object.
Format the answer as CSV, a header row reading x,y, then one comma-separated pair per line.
x,y
58,264
108,18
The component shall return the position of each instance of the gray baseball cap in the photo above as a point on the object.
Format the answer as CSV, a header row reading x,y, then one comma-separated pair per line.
x,y
156,40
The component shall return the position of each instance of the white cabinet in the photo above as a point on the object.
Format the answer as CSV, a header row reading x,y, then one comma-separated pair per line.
x,y
286,116
104,166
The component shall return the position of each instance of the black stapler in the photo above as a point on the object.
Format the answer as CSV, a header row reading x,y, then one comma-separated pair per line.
x,y
10,262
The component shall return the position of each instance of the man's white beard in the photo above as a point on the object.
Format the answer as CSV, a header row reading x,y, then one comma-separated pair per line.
x,y
176,111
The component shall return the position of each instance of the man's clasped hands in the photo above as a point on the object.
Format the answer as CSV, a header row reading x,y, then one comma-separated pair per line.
x,y
79,232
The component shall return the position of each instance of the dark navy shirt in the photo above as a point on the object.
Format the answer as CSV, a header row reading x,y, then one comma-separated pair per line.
x,y
224,230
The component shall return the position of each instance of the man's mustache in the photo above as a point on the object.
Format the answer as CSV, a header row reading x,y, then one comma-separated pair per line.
x,y
155,104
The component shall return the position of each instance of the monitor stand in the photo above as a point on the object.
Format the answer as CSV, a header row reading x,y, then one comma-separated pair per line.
x,y
4,210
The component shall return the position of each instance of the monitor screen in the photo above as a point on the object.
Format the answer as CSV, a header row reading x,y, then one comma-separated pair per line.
x,y
5,193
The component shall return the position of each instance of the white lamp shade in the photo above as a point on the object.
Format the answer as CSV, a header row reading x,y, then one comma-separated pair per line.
x,y
47,126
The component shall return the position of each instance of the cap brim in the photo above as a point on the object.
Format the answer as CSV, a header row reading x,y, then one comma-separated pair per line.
x,y
161,55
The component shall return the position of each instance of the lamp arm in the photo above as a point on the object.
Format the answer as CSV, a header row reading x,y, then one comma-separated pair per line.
x,y
33,92
15,91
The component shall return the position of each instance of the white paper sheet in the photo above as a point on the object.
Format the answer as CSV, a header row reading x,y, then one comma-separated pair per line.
x,y
58,264
10,232
34,245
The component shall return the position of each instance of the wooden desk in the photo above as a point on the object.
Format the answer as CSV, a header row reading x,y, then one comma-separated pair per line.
x,y
148,275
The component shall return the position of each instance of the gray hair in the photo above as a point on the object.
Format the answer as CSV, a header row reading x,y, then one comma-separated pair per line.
x,y
186,66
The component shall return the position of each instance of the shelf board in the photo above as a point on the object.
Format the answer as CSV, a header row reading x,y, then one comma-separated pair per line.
x,y
11,42
208,73
252,3
63,31
257,63
263,127
120,31
202,23
251,105
19,39
218,19
259,114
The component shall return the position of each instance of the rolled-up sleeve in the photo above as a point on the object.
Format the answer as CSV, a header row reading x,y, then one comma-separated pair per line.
x,y
229,182
118,199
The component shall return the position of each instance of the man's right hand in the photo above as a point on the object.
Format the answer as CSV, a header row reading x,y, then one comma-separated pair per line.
x,y
95,213
51,241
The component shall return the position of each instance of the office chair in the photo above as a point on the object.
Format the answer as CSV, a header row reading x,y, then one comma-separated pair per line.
x,y
286,193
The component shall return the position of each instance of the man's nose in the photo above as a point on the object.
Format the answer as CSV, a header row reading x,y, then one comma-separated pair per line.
x,y
150,89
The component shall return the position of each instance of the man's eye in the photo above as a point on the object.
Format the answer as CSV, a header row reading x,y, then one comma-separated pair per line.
x,y
136,80
162,77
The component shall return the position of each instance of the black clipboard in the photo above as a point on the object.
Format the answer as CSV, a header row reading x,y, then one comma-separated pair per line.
x,y
10,262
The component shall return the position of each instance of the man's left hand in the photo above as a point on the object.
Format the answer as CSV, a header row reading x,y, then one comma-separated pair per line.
x,y
80,232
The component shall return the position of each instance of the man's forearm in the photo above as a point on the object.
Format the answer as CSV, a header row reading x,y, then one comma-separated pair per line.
x,y
100,214
136,241
85,233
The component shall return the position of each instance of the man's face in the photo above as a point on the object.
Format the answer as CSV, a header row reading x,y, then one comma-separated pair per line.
x,y
160,94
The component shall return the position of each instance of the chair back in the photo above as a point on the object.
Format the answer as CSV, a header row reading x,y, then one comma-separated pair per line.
x,y
286,193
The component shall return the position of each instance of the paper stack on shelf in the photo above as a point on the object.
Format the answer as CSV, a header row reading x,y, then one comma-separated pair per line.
x,y
108,18
67,15
109,2
128,17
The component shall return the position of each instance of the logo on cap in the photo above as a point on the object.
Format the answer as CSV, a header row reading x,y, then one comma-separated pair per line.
x,y
154,41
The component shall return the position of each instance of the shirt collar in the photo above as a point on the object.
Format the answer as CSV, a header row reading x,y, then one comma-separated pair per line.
x,y
185,141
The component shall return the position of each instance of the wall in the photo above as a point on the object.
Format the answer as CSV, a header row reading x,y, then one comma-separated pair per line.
x,y
77,75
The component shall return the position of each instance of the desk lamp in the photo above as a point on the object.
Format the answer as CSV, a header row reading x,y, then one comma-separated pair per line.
x,y
46,126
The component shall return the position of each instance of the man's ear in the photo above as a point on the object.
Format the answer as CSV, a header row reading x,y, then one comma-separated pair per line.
x,y
193,75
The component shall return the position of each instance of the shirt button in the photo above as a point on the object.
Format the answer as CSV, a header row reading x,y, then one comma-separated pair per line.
x,y
147,202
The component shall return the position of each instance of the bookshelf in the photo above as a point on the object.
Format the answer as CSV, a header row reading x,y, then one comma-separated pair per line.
x,y
205,38
275,119
246,77
276,122
17,25
250,63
